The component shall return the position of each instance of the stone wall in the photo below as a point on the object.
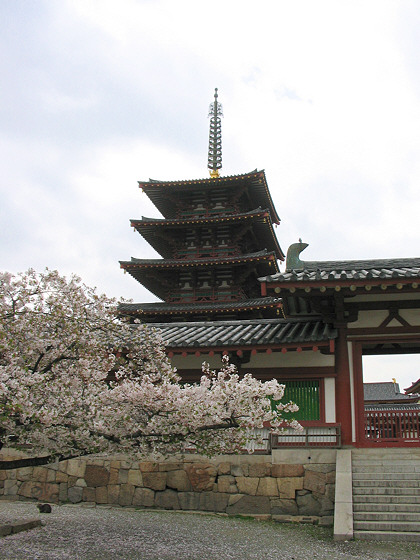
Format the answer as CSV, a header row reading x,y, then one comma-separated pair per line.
x,y
249,485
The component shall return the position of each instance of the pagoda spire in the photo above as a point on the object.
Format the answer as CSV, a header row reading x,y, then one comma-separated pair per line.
x,y
215,137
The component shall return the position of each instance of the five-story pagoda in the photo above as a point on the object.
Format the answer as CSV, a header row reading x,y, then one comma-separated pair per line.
x,y
216,238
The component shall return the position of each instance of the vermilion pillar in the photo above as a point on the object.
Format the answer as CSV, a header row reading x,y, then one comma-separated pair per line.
x,y
342,387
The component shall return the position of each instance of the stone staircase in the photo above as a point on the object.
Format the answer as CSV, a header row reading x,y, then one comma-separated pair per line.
x,y
386,494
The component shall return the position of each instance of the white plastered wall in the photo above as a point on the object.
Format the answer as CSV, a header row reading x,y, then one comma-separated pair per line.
x,y
260,360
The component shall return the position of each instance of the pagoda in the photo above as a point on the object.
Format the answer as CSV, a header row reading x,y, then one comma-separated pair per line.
x,y
215,239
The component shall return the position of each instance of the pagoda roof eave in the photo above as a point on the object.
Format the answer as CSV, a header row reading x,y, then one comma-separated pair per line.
x,y
163,308
260,217
153,189
184,263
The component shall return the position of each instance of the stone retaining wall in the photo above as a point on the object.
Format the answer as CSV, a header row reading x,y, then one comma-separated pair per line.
x,y
232,485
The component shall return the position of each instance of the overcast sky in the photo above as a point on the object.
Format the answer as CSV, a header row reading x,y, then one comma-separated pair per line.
x,y
95,95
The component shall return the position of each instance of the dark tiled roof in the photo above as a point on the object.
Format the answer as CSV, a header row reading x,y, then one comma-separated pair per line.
x,y
152,228
394,406
265,332
386,391
350,270
219,218
414,387
255,180
185,308
169,263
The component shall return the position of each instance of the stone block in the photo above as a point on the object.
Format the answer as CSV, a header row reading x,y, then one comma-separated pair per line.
x,y
51,475
223,468
154,480
326,506
81,482
11,487
89,495
314,482
113,493
62,492
96,475
330,477
201,476
237,470
233,498
123,476
20,526
101,494
189,500
115,464
75,494
250,504
76,467
247,485
226,483
61,477
178,480
280,506
287,487
322,468
326,521
330,491
267,487
213,501
168,499
166,467
39,474
113,475
71,481
282,518
148,467
42,491
260,469
21,474
308,505
62,466
126,494
144,497
3,475
287,471
134,477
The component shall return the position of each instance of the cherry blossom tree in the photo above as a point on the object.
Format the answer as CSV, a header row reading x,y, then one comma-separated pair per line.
x,y
76,379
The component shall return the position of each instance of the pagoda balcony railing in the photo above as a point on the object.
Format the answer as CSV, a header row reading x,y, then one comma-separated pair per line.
x,y
203,296
206,212
313,434
206,252
392,426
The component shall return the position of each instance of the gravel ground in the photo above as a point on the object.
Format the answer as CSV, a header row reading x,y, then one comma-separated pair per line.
x,y
103,533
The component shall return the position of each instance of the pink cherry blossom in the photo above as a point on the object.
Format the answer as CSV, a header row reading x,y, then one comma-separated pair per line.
x,y
76,379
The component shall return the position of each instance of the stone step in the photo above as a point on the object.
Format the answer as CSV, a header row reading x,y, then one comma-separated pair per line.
x,y
390,516
378,463
389,470
388,526
384,459
385,483
406,536
385,499
389,453
386,507
384,491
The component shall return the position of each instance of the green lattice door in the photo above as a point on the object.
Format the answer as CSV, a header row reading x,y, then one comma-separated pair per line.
x,y
306,395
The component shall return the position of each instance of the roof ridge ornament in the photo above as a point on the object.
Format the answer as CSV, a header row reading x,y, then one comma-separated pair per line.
x,y
215,137
293,261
